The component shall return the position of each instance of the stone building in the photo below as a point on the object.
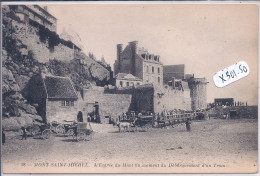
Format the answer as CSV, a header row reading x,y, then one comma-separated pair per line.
x,y
56,97
140,63
36,14
198,92
126,80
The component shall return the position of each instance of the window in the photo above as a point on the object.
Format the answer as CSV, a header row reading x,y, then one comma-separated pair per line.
x,y
121,83
159,80
147,69
67,103
138,83
132,84
158,70
127,83
152,69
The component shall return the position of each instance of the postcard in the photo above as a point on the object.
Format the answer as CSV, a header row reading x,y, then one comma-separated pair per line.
x,y
145,87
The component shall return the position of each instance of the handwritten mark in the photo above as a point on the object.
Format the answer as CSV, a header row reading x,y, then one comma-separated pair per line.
x,y
231,74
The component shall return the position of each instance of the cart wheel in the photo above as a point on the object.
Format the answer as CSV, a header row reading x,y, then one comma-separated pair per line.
x,y
70,132
81,136
53,129
46,134
60,129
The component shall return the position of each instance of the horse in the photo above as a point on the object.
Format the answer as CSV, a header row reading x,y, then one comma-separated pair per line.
x,y
123,125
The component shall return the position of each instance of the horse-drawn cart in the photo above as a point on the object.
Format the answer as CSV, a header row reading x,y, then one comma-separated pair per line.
x,y
66,128
39,130
145,122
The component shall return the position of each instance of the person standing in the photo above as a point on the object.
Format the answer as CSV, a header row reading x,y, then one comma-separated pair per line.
x,y
24,133
188,125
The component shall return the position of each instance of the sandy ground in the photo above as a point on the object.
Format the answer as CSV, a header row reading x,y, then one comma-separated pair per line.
x,y
219,146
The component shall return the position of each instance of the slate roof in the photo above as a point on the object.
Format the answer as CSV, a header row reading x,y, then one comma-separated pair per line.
x,y
127,77
176,71
59,87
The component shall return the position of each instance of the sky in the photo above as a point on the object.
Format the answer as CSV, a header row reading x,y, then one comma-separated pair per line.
x,y
206,38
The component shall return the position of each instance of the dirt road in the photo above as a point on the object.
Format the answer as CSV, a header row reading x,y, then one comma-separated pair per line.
x,y
212,146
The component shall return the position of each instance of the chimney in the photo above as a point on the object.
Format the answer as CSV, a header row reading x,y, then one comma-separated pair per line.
x,y
45,8
119,51
133,47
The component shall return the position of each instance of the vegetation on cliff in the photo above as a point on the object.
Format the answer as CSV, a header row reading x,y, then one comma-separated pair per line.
x,y
21,60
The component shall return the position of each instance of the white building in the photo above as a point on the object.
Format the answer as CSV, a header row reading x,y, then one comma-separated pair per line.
x,y
126,80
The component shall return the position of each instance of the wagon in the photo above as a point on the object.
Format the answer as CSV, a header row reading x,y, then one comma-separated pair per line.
x,y
83,131
145,122
43,131
66,128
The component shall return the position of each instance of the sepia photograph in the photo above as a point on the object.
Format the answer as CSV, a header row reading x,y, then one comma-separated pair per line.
x,y
141,87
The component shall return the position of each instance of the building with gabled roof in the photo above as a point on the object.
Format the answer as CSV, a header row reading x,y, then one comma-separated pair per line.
x,y
56,97
126,80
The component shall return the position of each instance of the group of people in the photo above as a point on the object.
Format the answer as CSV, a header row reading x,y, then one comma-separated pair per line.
x,y
159,118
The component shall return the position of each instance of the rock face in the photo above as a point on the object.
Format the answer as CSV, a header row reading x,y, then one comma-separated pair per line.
x,y
25,54
8,82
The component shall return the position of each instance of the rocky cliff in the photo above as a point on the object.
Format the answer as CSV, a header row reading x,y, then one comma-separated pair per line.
x,y
27,51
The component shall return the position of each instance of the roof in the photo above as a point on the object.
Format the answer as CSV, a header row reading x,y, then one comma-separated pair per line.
x,y
127,77
59,87
174,68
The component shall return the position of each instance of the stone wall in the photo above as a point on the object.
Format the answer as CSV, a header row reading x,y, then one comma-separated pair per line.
x,y
109,104
28,36
126,61
155,99
139,67
142,97
242,111
56,112
166,98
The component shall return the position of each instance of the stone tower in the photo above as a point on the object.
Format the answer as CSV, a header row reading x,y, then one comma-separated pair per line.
x,y
119,52
198,93
133,47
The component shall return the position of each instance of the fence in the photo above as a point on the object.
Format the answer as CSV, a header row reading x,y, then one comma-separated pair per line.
x,y
182,117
